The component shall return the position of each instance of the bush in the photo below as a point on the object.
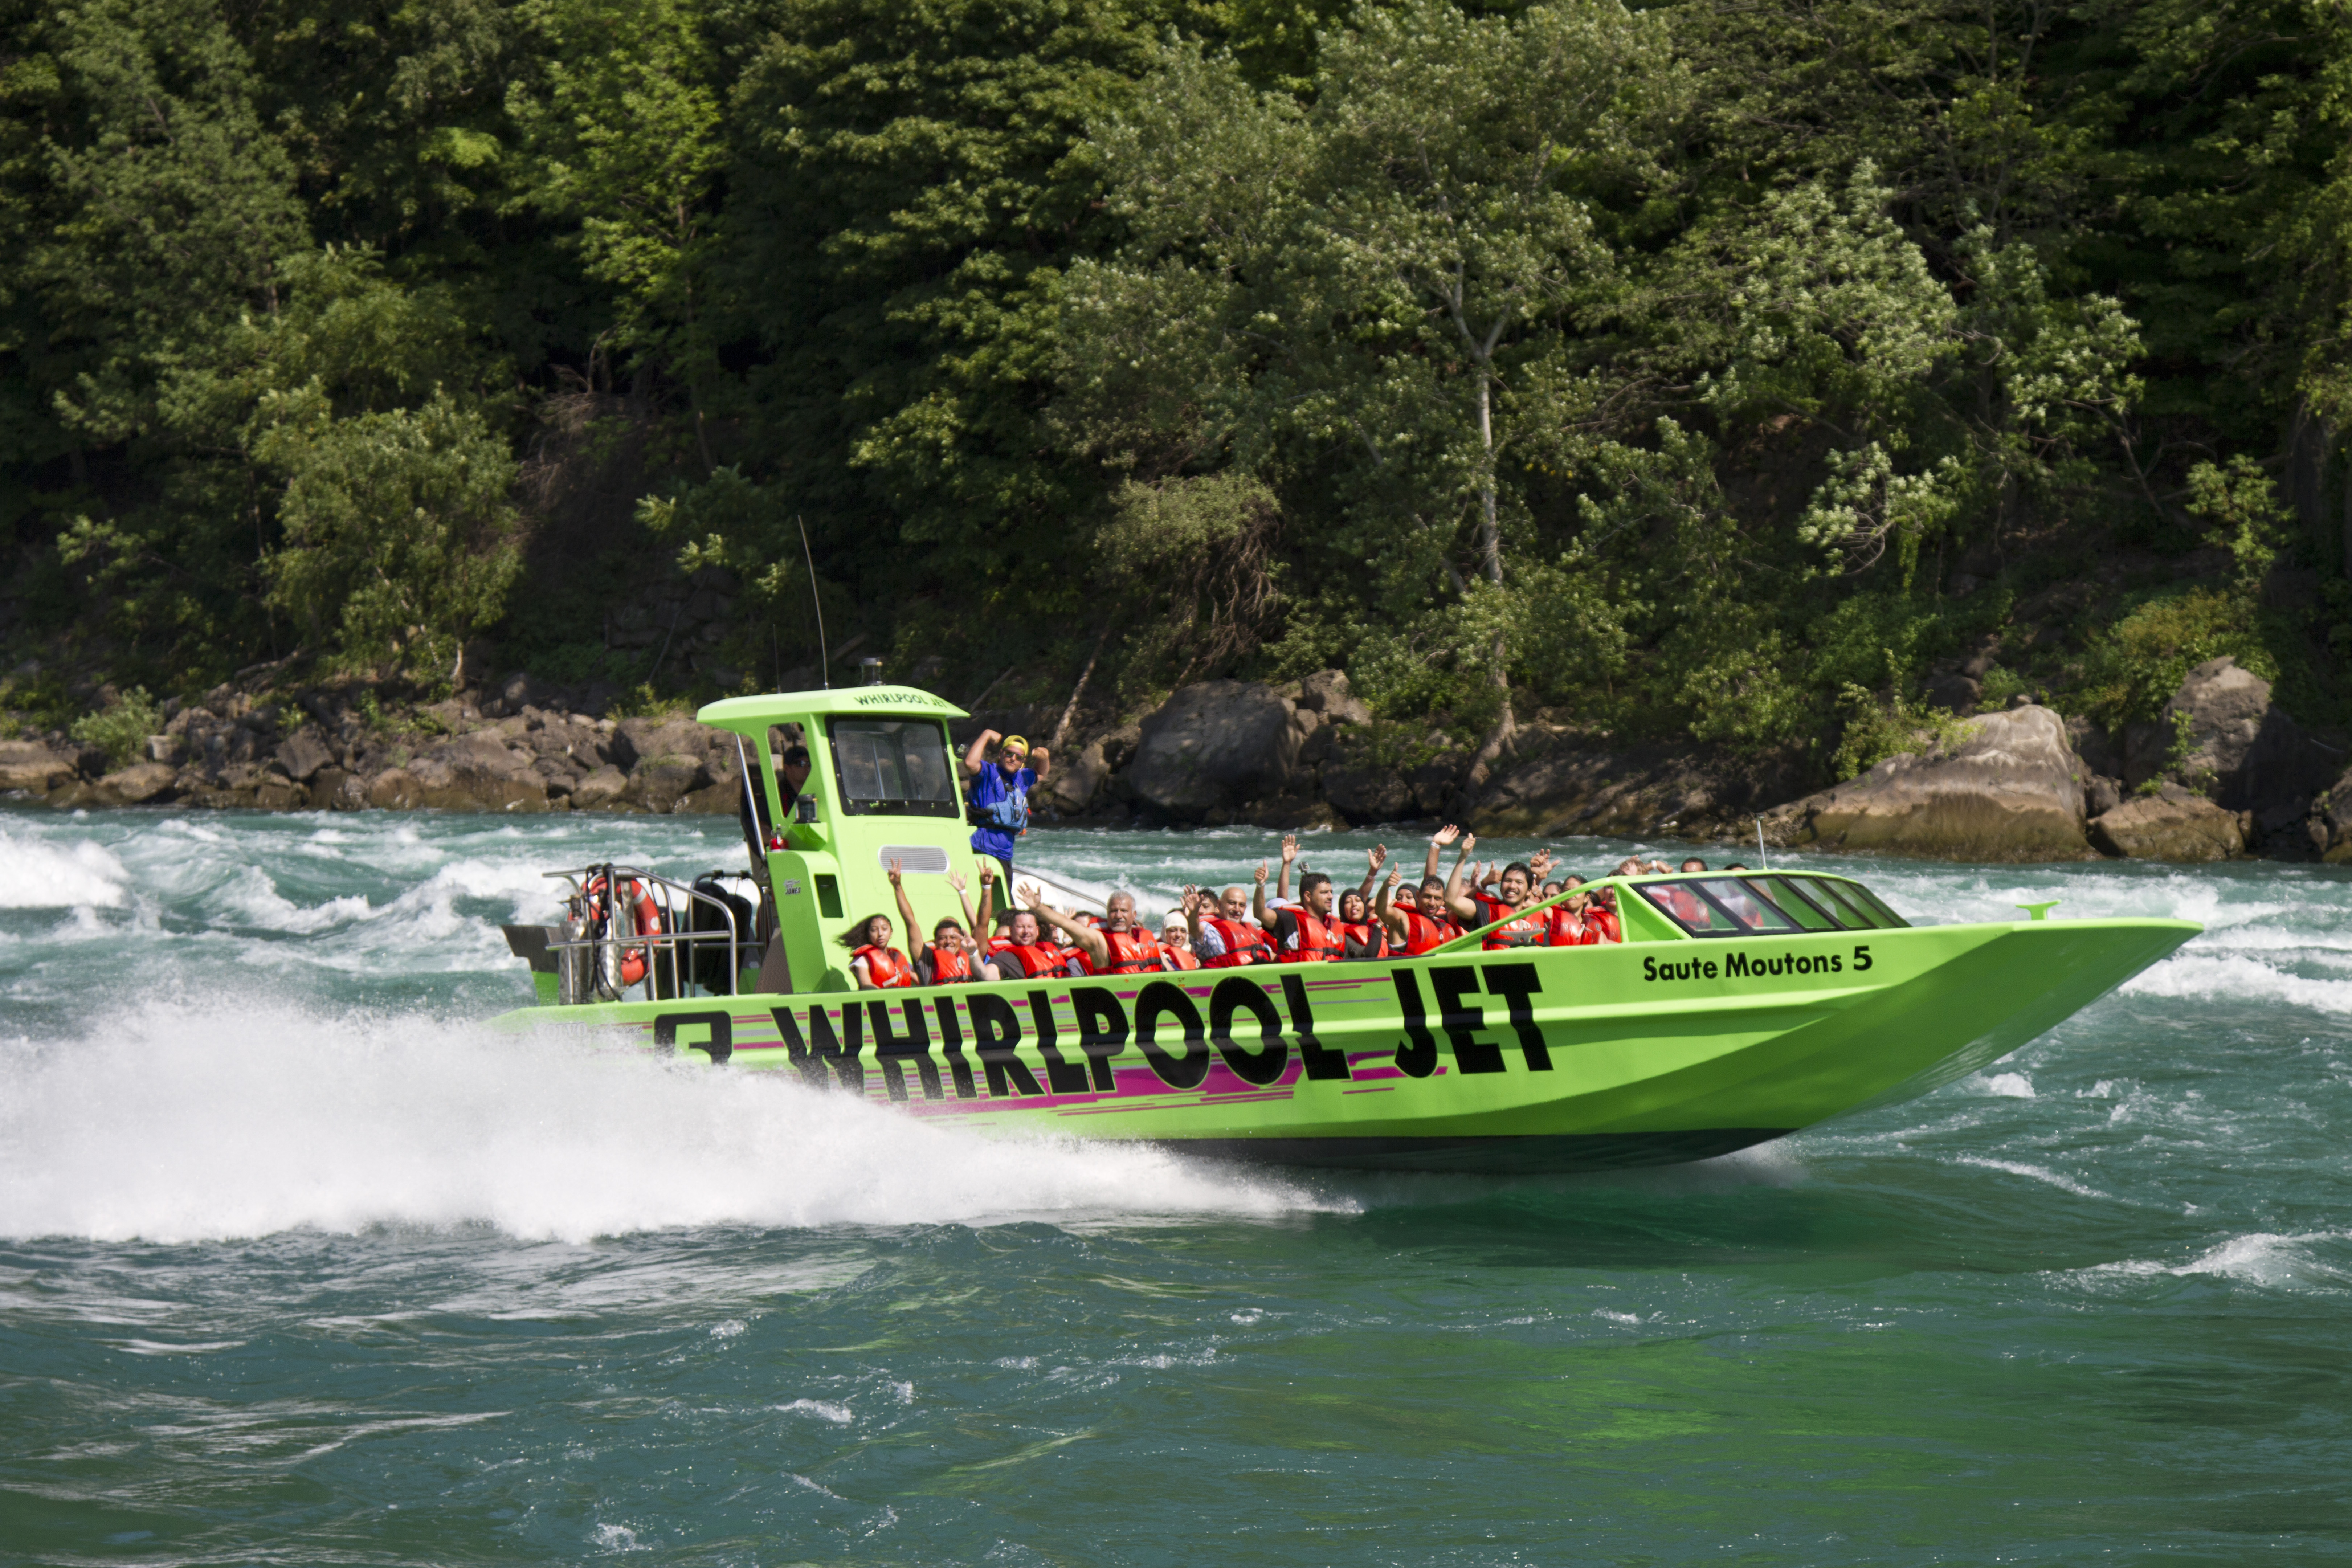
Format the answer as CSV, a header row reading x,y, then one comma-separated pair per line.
x,y
2136,665
123,727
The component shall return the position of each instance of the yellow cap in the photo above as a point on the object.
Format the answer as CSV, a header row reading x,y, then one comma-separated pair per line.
x,y
1011,740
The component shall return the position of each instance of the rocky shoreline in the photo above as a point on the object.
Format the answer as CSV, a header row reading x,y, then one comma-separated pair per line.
x,y
2222,774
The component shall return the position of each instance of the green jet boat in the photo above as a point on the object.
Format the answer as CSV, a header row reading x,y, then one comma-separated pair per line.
x,y
1738,1008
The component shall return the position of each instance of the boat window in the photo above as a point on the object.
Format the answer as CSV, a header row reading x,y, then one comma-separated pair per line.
x,y
1741,904
1678,903
1855,904
893,767
1832,897
1876,905
1790,901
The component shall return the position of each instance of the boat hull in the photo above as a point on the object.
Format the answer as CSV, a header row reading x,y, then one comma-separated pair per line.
x,y
1532,1059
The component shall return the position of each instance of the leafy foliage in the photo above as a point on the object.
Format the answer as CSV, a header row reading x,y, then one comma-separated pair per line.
x,y
1698,369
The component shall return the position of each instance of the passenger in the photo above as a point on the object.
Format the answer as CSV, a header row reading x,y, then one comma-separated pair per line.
x,y
1569,922
1419,924
998,795
1227,939
1020,953
953,955
1694,864
1176,942
1307,932
1120,945
1601,916
1515,892
877,965
1628,866
1365,937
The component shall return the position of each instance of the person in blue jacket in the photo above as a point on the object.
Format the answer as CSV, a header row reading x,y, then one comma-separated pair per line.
x,y
999,793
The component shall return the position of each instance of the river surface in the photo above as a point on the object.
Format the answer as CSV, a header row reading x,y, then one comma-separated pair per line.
x,y
299,1264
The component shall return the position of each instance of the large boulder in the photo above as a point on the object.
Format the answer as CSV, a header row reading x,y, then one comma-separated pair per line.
x,y
638,741
2173,824
28,765
304,753
2241,749
659,783
1326,692
136,784
478,772
1213,748
2010,789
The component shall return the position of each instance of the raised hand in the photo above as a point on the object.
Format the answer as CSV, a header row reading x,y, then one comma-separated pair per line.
x,y
1469,842
1262,868
988,871
1030,896
1540,862
1447,835
1377,856
892,871
1289,848
955,880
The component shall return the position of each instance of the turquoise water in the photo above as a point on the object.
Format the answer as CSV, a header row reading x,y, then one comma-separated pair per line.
x,y
300,1264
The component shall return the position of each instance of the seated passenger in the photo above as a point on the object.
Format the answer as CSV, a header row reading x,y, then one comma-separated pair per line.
x,y
1567,923
1223,936
1628,866
952,957
1306,931
1416,925
1020,953
877,965
1601,916
1365,937
1515,892
1694,864
1176,942
792,777
1120,945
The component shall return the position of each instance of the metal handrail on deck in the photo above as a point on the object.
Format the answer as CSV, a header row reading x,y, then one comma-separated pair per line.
x,y
598,978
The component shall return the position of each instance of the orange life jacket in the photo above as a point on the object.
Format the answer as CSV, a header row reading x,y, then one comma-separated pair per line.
x,y
1319,940
1034,958
1245,943
1421,934
1569,928
949,968
1177,958
1604,925
886,966
1131,953
1368,940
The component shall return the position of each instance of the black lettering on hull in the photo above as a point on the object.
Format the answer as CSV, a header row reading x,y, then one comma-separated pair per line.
x,y
1102,1031
891,1049
1417,1058
996,1034
1164,999
822,1048
1238,994
1461,1021
720,1025
1321,1061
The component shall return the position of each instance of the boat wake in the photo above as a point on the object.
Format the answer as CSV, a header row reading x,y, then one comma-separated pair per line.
x,y
177,1122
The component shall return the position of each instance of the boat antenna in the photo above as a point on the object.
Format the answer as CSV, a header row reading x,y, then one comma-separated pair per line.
x,y
1761,855
824,663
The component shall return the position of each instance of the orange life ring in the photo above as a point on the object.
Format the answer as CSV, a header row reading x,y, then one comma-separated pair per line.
x,y
646,920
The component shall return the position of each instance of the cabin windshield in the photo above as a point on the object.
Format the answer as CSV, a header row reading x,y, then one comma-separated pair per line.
x,y
893,767
1763,905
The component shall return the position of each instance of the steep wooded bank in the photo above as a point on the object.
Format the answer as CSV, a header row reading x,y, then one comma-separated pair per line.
x,y
1721,396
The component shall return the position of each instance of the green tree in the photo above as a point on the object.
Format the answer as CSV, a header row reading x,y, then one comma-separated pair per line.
x,y
1396,273
398,530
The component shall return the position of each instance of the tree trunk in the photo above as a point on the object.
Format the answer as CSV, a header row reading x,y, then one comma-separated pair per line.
x,y
1071,710
1490,553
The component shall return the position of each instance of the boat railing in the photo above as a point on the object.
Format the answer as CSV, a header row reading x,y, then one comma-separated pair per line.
x,y
592,966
